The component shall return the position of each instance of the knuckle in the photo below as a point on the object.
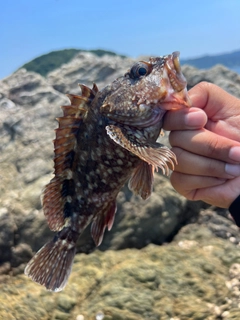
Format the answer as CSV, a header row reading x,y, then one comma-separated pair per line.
x,y
213,168
206,86
212,147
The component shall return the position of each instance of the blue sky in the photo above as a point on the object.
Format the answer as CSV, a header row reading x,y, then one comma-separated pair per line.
x,y
133,27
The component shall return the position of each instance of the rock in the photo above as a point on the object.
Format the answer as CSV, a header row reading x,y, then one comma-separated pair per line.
x,y
220,75
7,229
156,220
193,281
87,68
216,222
29,125
220,223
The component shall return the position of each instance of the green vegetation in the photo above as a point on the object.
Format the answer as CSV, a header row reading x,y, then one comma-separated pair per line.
x,y
53,60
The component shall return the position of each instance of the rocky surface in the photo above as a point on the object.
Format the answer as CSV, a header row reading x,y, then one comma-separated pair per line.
x,y
220,75
197,276
29,105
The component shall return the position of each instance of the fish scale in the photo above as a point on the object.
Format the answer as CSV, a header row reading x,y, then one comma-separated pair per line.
x,y
104,139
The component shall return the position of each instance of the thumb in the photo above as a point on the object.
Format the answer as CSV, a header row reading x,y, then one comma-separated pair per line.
x,y
217,103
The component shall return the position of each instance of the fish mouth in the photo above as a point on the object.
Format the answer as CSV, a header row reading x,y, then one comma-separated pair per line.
x,y
174,71
177,96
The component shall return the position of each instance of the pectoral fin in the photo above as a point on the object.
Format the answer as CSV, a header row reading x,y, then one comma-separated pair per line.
x,y
154,154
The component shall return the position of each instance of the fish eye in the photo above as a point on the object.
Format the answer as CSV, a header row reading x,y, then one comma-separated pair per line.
x,y
139,69
142,71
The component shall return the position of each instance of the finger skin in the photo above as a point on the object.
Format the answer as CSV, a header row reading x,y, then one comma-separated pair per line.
x,y
204,143
221,108
210,190
184,119
213,100
192,164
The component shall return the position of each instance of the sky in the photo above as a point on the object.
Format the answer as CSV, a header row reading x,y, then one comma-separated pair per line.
x,y
30,28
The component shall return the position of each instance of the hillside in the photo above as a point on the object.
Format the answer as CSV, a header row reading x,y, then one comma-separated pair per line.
x,y
53,60
229,60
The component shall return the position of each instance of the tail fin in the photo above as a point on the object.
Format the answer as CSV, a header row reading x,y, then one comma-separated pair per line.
x,y
52,264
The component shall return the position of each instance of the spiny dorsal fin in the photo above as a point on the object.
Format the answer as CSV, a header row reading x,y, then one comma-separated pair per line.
x,y
69,124
76,100
87,92
94,88
55,205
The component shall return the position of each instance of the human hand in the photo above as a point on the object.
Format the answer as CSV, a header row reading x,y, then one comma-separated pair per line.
x,y
206,141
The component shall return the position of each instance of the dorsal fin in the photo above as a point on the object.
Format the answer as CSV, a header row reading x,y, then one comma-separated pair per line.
x,y
87,92
94,88
76,100
56,193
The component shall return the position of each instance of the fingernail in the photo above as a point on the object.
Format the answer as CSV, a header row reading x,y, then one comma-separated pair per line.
x,y
232,169
234,154
195,118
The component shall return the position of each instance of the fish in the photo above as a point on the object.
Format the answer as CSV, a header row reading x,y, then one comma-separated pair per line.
x,y
105,139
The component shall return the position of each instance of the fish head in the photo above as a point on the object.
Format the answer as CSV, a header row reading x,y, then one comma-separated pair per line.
x,y
143,95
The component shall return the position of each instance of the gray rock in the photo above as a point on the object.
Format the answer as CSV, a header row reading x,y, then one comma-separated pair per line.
x,y
87,68
7,229
220,75
156,220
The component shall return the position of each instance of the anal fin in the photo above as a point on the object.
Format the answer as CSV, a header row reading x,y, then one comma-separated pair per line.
x,y
103,220
141,181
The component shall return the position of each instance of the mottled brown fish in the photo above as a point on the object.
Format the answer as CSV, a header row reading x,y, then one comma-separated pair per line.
x,y
104,139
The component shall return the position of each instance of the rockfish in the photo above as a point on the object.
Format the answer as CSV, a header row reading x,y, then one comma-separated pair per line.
x,y
104,139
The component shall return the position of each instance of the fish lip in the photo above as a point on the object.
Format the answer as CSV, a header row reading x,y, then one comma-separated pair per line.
x,y
174,71
175,105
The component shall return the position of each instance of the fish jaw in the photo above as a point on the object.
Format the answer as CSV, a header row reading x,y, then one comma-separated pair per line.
x,y
175,84
176,100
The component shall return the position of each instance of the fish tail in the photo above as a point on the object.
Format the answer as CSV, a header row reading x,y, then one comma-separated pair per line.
x,y
52,264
